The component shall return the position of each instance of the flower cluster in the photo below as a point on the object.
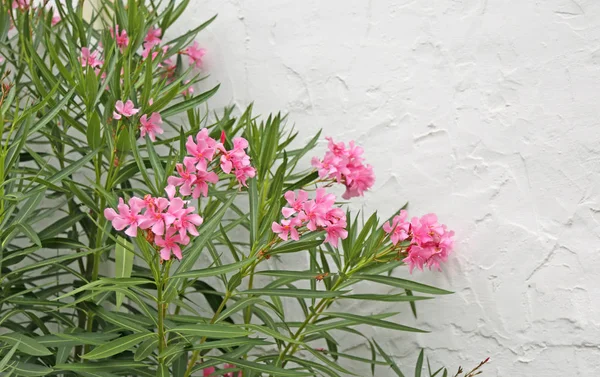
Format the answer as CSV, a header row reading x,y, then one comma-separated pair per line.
x,y
314,214
195,54
193,173
21,4
430,242
121,39
89,58
345,165
168,220
152,40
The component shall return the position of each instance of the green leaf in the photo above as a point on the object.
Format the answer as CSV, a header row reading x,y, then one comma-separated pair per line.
x,y
239,305
57,177
305,243
297,293
387,298
188,104
30,233
25,344
116,346
273,333
27,369
120,320
297,275
100,366
162,371
75,339
8,357
261,368
387,358
49,262
216,331
232,342
180,365
156,162
93,131
213,271
402,283
254,211
49,116
373,322
123,263
60,226
145,349
62,243
413,306
419,366
141,165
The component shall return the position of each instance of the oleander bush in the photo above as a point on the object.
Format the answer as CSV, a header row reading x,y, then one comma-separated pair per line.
x,y
140,233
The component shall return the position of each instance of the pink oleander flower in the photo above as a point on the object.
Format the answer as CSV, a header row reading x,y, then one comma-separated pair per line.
x,y
242,173
417,257
398,228
154,217
295,203
150,48
153,37
21,4
121,39
360,179
124,109
208,371
170,244
128,217
187,222
195,54
175,207
55,19
203,178
89,59
287,227
151,126
193,178
336,231
431,243
204,148
1,59
345,165
187,176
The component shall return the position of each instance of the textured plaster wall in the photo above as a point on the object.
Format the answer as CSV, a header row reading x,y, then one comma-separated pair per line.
x,y
485,112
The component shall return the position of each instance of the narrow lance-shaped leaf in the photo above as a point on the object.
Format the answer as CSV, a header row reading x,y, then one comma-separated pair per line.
x,y
402,283
25,344
116,346
123,263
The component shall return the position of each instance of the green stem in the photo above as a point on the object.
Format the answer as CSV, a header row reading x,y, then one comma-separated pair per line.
x,y
312,318
248,310
196,353
162,309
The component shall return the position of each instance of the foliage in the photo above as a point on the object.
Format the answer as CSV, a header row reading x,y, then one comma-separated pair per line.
x,y
80,298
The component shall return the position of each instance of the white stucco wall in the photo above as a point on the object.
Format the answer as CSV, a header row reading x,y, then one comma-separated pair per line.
x,y
483,111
